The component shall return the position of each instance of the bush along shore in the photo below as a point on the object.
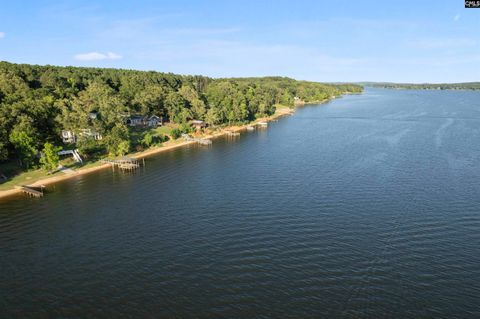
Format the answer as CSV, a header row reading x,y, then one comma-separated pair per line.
x,y
58,122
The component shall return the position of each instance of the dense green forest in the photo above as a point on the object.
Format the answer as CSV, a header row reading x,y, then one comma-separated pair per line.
x,y
425,86
38,102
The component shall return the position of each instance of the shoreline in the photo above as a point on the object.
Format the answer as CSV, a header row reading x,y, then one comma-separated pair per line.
x,y
283,111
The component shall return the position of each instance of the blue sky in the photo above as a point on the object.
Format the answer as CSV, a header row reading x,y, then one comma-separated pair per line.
x,y
356,40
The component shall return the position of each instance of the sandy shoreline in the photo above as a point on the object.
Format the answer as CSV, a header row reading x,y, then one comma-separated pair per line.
x,y
84,171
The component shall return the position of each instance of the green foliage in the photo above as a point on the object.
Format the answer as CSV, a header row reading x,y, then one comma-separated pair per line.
x,y
175,105
176,133
213,117
161,138
150,100
196,105
38,102
186,128
123,148
98,97
50,159
24,139
148,140
118,141
88,147
3,151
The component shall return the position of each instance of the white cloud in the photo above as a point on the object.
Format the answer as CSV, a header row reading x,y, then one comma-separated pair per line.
x,y
2,35
456,17
95,56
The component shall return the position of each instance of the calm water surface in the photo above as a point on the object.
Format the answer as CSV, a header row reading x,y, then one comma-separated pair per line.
x,y
366,207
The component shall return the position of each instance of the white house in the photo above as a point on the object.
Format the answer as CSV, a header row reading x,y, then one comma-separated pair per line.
x,y
89,133
298,101
93,115
198,124
68,137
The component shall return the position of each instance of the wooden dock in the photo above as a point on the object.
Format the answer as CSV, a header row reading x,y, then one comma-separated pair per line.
x,y
201,141
31,191
232,133
125,163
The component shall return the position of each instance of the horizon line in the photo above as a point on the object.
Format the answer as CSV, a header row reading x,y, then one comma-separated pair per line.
x,y
365,82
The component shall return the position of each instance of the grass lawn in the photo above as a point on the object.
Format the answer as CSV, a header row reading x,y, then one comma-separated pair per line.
x,y
23,178
165,130
137,134
18,176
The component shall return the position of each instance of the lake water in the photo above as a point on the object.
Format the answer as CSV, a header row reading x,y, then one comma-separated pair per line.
x,y
365,207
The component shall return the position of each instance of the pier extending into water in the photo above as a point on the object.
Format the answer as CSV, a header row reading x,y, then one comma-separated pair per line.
x,y
201,141
31,191
232,133
125,163
240,197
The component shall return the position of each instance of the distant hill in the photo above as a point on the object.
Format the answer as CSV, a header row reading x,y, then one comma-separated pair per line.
x,y
425,86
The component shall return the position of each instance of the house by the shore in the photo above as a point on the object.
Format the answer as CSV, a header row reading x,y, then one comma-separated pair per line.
x,y
143,121
298,101
135,120
198,124
89,133
70,137
154,121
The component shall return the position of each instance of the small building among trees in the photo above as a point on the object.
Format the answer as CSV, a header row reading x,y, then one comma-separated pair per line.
x,y
68,137
298,101
89,133
143,120
154,121
135,120
198,124
93,115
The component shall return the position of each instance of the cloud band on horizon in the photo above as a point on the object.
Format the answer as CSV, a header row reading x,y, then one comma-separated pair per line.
x,y
96,56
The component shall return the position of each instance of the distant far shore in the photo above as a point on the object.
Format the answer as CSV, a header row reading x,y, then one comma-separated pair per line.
x,y
468,86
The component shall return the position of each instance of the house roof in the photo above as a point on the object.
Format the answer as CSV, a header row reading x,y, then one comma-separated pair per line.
x,y
137,117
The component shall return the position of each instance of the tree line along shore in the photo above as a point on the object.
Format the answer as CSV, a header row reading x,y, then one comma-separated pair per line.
x,y
96,112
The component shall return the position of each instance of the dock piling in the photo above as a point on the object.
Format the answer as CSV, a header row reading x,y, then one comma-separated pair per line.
x,y
125,163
